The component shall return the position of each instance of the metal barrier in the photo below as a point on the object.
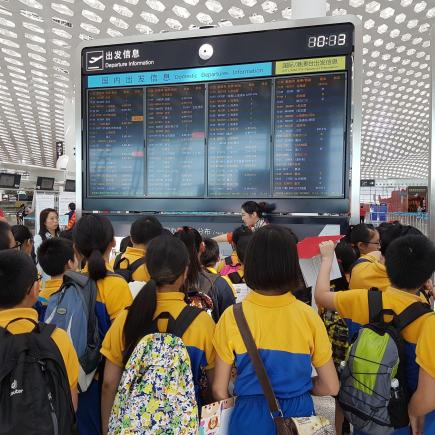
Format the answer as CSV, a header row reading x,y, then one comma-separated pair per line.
x,y
418,220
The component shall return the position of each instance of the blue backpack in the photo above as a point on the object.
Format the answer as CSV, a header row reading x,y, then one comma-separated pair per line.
x,y
72,308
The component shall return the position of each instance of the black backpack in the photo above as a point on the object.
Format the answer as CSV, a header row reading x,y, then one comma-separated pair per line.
x,y
127,273
35,396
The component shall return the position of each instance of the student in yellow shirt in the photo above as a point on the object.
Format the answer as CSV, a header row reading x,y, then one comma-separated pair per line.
x,y
142,231
289,334
167,262
410,262
209,258
19,289
93,238
369,270
56,255
423,401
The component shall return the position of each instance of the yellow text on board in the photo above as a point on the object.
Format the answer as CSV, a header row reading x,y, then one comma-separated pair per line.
x,y
317,64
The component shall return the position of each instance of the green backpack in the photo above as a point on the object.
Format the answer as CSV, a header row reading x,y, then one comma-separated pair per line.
x,y
156,394
373,391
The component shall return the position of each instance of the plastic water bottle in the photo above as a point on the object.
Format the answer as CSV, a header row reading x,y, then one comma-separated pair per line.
x,y
395,388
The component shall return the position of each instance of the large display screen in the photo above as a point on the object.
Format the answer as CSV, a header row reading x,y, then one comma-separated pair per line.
x,y
271,129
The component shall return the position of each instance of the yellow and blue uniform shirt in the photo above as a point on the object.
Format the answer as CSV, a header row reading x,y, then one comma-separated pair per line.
x,y
133,254
50,286
353,307
113,296
426,360
369,273
214,271
290,337
59,336
197,338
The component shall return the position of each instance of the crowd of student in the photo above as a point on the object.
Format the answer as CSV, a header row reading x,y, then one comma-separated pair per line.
x,y
182,270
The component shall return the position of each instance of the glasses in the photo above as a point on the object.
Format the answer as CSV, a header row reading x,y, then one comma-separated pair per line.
x,y
38,277
373,243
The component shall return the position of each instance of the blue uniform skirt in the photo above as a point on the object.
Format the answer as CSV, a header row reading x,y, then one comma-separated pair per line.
x,y
251,414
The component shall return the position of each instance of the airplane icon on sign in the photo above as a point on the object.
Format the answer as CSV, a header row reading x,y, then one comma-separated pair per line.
x,y
94,60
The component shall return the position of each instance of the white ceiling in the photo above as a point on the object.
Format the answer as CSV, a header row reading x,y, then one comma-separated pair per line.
x,y
38,38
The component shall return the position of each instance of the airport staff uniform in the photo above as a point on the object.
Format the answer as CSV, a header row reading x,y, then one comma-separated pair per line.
x,y
197,338
113,296
290,337
133,254
426,360
59,336
353,307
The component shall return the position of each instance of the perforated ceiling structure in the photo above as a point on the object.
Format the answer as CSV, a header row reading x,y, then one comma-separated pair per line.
x,y
38,39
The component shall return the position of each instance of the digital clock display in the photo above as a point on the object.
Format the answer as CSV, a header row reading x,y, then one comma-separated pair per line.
x,y
332,40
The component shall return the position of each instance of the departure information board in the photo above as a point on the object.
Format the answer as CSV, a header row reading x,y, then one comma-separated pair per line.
x,y
263,121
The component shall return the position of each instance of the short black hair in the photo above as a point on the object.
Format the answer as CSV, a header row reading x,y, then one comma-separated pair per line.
x,y
17,275
54,254
390,232
144,229
210,256
271,262
66,234
242,246
125,243
4,235
72,206
346,255
241,231
21,233
410,261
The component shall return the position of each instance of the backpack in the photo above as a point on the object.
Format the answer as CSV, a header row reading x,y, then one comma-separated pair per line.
x,y
35,396
156,394
72,308
373,391
127,273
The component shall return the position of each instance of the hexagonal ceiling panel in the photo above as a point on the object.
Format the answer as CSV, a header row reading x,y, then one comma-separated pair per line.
x,y
37,39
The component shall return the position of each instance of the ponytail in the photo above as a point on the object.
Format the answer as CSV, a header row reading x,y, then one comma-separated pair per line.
x,y
140,317
96,265
92,236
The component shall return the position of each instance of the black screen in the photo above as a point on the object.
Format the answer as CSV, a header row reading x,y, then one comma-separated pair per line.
x,y
175,132
70,186
8,180
254,143
116,142
45,183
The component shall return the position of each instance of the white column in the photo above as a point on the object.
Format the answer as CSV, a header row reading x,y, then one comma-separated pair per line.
x,y
431,162
308,9
69,129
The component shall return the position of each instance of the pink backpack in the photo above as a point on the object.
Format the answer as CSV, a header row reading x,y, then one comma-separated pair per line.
x,y
229,267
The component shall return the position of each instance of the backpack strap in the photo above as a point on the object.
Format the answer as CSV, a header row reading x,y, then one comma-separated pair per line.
x,y
375,305
184,320
118,260
80,278
359,261
412,313
260,370
136,264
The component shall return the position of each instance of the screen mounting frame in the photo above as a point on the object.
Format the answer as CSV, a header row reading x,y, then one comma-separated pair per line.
x,y
350,202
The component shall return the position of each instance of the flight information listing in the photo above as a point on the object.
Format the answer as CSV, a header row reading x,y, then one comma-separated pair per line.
x,y
310,119
116,142
175,138
239,130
